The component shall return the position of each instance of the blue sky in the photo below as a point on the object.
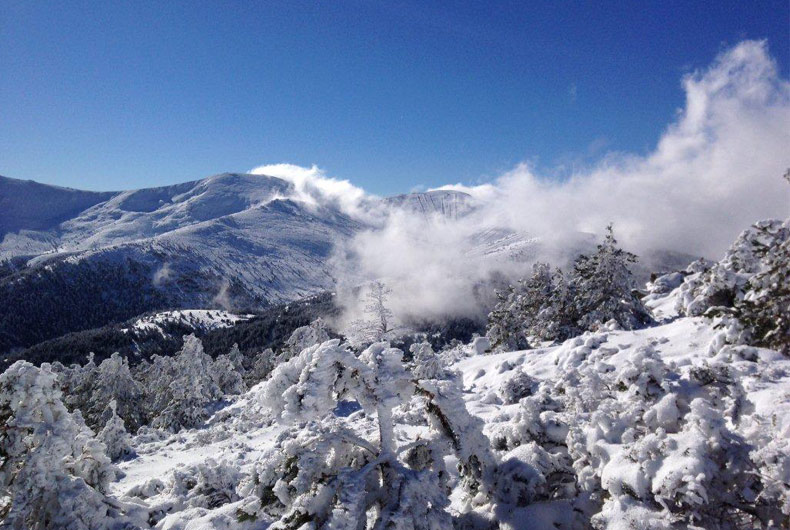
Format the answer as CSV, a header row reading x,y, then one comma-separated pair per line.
x,y
392,96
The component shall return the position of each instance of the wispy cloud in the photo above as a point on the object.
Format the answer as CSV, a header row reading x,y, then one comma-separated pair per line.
x,y
313,186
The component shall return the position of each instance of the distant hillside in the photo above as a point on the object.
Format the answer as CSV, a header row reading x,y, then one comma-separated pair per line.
x,y
28,205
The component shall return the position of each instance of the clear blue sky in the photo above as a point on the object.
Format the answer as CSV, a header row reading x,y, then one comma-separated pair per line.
x,y
113,95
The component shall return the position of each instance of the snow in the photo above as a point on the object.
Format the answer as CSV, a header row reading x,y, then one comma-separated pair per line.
x,y
242,433
202,319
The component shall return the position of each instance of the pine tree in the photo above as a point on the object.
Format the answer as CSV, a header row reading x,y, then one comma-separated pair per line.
x,y
114,435
520,316
377,320
227,377
558,320
604,288
322,473
765,308
304,337
114,382
192,388
261,367
53,472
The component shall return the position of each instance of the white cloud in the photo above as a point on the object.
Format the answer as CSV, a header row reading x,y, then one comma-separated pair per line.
x,y
313,186
717,169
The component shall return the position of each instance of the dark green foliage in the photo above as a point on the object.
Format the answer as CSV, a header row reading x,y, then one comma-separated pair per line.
x,y
554,307
270,328
39,303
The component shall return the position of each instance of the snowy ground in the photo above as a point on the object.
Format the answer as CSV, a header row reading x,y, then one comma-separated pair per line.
x,y
203,319
240,432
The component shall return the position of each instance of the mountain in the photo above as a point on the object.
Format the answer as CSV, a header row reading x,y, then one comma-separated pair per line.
x,y
72,261
28,205
449,204
231,241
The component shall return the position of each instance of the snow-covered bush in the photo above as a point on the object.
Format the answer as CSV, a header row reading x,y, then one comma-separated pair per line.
x,y
53,472
427,365
638,442
751,282
208,484
517,387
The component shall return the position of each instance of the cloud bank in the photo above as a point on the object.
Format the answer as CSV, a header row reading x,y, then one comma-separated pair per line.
x,y
715,170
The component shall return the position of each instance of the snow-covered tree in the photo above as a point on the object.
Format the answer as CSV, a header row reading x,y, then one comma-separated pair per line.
x,y
114,382
324,472
540,308
114,435
604,288
192,388
77,383
53,472
304,337
506,329
514,319
240,362
227,377
262,366
377,320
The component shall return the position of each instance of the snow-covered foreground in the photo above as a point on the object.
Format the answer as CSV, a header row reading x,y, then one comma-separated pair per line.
x,y
630,425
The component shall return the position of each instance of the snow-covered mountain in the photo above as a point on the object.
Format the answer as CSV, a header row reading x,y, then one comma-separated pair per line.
x,y
231,241
72,260
448,204
27,205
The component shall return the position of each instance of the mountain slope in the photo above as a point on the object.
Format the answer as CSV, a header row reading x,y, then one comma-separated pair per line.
x,y
230,241
28,205
449,204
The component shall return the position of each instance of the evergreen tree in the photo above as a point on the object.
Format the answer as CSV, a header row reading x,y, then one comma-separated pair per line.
x,y
765,308
261,367
227,377
523,313
53,472
377,320
604,288
558,320
304,337
114,435
322,473
114,383
192,388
